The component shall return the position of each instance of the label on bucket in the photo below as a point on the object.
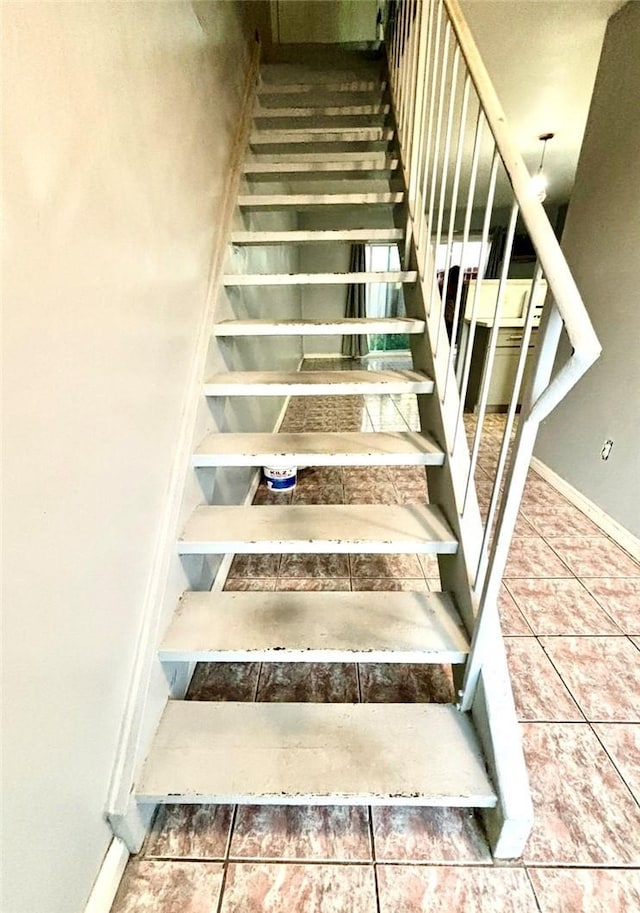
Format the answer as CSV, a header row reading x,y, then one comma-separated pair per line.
x,y
283,479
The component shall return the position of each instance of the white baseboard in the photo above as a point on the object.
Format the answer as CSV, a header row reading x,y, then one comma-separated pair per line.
x,y
108,880
606,523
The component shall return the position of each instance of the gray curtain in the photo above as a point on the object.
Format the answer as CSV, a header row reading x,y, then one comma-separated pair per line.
x,y
496,253
356,306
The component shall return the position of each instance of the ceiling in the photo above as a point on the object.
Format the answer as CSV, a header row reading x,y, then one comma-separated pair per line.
x,y
542,57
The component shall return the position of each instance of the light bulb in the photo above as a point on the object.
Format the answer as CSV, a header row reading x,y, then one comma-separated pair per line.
x,y
538,186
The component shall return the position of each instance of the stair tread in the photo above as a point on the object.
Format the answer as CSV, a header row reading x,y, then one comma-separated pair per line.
x,y
357,278
316,383
319,448
260,134
364,165
324,111
316,627
321,135
318,199
336,156
341,327
317,529
314,236
303,88
421,754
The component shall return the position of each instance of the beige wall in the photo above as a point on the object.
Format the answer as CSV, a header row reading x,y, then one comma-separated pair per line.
x,y
118,119
601,241
324,20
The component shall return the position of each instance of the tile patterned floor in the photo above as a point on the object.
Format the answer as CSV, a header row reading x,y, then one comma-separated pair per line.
x,y
570,607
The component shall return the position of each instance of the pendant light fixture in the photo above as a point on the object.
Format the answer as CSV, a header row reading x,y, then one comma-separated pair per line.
x,y
539,182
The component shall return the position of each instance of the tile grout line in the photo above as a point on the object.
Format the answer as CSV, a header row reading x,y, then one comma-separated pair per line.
x,y
533,889
374,861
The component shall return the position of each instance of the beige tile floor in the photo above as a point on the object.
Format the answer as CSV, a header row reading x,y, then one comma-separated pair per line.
x,y
570,607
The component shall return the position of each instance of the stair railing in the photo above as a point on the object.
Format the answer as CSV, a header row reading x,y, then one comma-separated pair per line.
x,y
455,143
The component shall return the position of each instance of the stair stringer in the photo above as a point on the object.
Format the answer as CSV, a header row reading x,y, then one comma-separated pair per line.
x,y
446,483
152,683
509,824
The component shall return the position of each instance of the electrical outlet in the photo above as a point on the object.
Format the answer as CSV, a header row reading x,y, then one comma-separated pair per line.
x,y
606,450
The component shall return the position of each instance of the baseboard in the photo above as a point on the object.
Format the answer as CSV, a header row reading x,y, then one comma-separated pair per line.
x,y
607,524
109,877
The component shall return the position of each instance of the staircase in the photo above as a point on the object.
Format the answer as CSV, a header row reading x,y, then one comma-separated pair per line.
x,y
331,161
423,754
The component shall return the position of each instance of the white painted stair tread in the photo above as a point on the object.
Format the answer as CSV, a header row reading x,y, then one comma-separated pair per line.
x,y
270,753
317,529
319,448
373,164
262,134
344,135
318,199
344,326
324,110
287,157
315,627
316,383
288,88
315,236
359,278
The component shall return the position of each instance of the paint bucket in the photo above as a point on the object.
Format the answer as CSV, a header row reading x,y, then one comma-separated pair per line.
x,y
281,478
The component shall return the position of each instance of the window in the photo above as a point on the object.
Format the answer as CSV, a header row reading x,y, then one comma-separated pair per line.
x,y
384,299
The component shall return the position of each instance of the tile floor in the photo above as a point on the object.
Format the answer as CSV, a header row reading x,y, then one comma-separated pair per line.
x,y
570,610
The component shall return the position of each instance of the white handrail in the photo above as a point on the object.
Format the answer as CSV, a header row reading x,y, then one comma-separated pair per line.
x,y
582,336
419,66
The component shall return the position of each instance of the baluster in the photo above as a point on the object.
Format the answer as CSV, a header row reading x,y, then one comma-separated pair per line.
x,y
463,381
453,208
511,414
427,149
493,342
443,181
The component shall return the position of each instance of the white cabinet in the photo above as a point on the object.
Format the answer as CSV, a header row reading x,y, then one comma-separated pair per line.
x,y
509,342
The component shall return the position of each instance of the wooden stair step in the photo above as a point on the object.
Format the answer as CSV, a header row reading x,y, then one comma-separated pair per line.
x,y
317,383
324,111
319,448
382,163
313,236
382,754
345,326
360,278
321,135
317,529
288,88
271,200
315,627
